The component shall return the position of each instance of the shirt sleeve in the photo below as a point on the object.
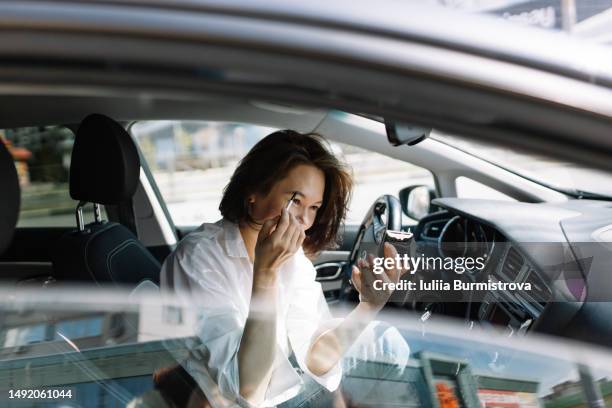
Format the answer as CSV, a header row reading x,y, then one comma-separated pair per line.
x,y
308,317
202,287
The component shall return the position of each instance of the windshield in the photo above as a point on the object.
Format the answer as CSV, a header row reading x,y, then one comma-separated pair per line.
x,y
571,178
588,19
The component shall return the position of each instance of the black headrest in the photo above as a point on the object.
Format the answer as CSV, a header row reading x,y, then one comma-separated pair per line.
x,y
105,164
11,197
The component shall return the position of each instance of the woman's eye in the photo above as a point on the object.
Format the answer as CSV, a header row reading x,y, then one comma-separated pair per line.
x,y
296,201
315,208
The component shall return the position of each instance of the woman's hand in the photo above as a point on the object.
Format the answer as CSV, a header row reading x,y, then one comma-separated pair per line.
x,y
276,243
329,347
363,279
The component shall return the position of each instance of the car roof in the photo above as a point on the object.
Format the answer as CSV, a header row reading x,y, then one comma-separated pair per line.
x,y
486,35
150,59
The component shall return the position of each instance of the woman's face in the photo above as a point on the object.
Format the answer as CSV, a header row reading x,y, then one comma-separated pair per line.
x,y
307,181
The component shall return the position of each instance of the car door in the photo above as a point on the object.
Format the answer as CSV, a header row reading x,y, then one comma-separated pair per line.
x,y
95,348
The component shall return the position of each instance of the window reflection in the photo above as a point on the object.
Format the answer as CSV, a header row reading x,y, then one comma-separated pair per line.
x,y
74,329
18,336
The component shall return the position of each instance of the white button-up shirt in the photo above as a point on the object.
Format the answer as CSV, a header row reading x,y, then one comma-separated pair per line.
x,y
212,267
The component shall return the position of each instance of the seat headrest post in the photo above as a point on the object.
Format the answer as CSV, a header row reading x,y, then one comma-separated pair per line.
x,y
97,213
79,216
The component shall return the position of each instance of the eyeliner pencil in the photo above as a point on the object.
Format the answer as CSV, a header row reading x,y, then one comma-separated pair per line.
x,y
291,201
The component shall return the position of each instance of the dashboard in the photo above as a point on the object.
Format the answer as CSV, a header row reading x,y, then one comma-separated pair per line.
x,y
542,245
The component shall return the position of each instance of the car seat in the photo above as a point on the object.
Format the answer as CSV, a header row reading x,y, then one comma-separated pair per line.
x,y
104,169
11,197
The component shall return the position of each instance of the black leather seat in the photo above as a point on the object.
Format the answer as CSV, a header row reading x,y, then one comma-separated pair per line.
x,y
11,197
105,168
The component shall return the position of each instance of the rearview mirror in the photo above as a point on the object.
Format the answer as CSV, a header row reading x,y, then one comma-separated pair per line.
x,y
416,201
405,134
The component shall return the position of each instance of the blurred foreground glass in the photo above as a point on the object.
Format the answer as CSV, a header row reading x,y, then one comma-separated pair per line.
x,y
148,352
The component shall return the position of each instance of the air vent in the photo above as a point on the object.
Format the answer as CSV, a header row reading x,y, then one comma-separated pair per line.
x,y
512,265
539,290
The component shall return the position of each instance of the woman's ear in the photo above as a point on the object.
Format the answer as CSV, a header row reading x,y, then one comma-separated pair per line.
x,y
251,198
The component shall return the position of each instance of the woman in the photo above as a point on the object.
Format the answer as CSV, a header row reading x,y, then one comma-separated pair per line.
x,y
264,324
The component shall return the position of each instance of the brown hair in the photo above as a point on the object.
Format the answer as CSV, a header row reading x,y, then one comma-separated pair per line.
x,y
270,160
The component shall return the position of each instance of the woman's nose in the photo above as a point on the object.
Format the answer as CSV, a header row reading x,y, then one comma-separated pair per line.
x,y
301,214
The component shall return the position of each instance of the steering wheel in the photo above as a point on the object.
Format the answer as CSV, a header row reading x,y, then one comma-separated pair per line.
x,y
384,214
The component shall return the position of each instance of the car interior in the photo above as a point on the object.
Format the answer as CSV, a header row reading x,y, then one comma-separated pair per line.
x,y
527,235
123,120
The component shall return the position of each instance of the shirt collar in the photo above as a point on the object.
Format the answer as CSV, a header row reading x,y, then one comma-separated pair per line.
x,y
234,244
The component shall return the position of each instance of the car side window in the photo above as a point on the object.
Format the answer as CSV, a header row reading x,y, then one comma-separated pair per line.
x,y
193,161
42,159
468,188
